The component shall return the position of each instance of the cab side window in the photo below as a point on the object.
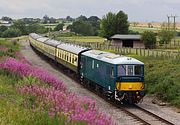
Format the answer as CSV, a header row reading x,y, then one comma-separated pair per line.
x,y
112,72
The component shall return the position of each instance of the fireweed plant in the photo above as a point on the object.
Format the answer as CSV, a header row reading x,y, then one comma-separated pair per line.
x,y
53,97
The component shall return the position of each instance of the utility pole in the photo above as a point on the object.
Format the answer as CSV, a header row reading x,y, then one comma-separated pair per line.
x,y
174,27
168,22
174,24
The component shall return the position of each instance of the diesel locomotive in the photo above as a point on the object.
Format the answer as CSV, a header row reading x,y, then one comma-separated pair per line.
x,y
115,76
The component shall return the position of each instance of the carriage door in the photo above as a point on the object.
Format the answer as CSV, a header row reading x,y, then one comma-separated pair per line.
x,y
83,66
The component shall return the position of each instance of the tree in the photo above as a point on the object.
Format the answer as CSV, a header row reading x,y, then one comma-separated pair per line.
x,y
27,20
149,39
21,26
59,27
45,19
36,28
93,19
11,32
82,18
2,29
121,23
82,27
113,23
68,18
165,34
52,20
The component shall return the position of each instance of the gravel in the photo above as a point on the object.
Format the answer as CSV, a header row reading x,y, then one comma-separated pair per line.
x,y
117,115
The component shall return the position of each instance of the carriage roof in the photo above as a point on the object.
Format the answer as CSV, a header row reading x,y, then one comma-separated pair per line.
x,y
71,48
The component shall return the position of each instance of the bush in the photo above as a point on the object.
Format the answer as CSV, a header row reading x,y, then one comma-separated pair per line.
x,y
59,27
162,79
11,32
149,39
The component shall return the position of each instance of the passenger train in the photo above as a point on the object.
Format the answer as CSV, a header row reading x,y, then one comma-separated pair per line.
x,y
115,76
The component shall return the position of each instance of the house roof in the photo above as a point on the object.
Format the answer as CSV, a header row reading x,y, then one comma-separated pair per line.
x,y
126,37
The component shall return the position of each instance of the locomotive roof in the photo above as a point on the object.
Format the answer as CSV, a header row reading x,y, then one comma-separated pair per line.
x,y
35,36
71,48
111,57
52,42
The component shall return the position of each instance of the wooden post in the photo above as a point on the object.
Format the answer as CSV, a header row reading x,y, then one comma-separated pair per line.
x,y
148,52
156,53
144,52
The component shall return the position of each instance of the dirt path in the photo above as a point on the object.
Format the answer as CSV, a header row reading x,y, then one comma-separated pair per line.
x,y
118,116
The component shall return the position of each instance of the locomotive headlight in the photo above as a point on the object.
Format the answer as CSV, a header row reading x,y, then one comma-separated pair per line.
x,y
142,87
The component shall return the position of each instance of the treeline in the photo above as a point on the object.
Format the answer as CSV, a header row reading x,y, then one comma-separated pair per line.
x,y
86,26
21,28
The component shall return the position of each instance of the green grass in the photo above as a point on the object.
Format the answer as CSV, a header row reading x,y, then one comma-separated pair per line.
x,y
12,111
162,78
83,39
52,26
142,29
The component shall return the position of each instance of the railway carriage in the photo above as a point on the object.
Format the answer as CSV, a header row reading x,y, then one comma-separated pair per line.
x,y
50,48
40,44
118,77
69,55
33,39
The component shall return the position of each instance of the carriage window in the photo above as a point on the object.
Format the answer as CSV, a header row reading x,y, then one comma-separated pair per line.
x,y
70,58
65,55
60,53
75,59
93,64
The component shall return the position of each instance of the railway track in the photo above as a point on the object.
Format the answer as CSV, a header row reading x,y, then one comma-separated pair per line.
x,y
135,112
155,119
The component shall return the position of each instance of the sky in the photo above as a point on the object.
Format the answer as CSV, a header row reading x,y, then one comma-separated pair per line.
x,y
137,10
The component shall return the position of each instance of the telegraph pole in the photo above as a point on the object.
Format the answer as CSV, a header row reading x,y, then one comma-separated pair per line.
x,y
174,26
168,22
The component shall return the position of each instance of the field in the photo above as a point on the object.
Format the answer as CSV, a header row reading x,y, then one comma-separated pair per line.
x,y
142,29
83,39
52,26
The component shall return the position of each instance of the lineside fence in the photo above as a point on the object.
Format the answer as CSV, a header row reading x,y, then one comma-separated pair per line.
x,y
123,51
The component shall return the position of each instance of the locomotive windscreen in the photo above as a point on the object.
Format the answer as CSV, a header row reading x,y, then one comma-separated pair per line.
x,y
130,70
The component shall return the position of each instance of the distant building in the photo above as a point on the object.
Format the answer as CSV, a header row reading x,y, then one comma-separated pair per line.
x,y
132,41
5,23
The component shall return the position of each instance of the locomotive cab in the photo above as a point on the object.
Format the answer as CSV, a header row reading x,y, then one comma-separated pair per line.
x,y
130,83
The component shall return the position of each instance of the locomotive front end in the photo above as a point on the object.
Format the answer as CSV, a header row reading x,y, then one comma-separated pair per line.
x,y
130,83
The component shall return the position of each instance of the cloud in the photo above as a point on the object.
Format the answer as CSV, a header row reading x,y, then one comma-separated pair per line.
x,y
137,10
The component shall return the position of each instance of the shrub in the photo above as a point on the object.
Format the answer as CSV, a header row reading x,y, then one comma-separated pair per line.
x,y
11,32
149,39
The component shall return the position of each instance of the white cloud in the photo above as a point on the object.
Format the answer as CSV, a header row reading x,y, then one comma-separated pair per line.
x,y
140,10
